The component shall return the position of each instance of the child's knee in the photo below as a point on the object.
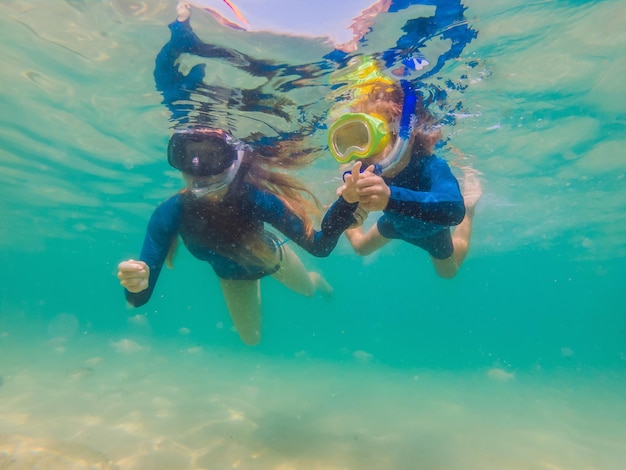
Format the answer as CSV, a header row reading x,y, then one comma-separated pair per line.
x,y
362,250
446,268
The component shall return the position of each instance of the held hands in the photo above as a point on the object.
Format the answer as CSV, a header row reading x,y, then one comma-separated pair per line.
x,y
367,188
133,275
348,190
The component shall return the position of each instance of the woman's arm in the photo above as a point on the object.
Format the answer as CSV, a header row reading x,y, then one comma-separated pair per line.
x,y
175,86
162,231
321,242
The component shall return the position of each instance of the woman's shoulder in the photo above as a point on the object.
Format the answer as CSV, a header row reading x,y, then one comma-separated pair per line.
x,y
260,196
171,204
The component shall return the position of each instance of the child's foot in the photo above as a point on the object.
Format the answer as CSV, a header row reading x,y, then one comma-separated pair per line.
x,y
472,190
322,286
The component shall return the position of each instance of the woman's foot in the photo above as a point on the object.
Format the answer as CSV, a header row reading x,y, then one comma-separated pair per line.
x,y
183,12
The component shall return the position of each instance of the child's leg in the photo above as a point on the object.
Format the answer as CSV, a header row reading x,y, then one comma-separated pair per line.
x,y
294,275
243,299
472,190
366,243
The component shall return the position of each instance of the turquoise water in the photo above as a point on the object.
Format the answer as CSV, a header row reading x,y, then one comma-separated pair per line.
x,y
517,363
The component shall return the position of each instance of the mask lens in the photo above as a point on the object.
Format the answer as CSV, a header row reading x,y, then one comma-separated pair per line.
x,y
357,135
352,134
200,155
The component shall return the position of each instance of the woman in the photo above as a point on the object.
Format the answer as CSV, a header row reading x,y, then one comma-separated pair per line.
x,y
231,194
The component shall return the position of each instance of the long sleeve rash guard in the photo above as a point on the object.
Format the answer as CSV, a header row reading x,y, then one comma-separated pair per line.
x,y
165,226
426,190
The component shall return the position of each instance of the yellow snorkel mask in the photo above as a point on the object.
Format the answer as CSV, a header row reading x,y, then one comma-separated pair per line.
x,y
356,136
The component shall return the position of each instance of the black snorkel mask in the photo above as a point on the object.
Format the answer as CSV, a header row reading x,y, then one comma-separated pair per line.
x,y
211,156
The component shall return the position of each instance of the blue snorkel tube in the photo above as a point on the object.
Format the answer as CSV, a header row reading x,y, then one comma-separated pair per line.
x,y
407,123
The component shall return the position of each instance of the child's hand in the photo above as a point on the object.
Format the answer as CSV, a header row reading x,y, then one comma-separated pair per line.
x,y
349,189
133,275
367,172
372,191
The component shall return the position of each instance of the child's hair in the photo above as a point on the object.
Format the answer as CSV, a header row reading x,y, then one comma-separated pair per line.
x,y
386,100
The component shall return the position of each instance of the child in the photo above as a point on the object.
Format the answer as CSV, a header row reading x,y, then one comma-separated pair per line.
x,y
416,190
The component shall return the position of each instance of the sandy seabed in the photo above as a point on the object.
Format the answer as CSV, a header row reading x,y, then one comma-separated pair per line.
x,y
123,403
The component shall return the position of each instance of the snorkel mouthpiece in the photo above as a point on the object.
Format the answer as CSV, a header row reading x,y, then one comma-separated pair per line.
x,y
199,188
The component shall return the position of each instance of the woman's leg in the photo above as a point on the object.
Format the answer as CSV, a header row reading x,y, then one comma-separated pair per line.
x,y
243,299
366,243
294,275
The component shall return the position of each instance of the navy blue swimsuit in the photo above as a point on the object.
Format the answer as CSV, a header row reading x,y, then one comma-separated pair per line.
x,y
425,201
261,207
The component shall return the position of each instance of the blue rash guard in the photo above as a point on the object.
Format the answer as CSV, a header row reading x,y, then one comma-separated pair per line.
x,y
261,207
425,201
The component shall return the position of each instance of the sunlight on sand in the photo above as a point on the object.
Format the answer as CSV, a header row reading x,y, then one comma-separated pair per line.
x,y
163,408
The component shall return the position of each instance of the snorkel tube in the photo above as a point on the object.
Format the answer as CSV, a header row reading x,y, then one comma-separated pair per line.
x,y
407,123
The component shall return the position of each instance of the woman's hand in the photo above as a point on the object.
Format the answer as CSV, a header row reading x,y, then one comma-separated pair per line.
x,y
183,11
133,275
348,189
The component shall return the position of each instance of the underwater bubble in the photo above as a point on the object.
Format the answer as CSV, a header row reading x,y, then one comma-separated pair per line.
x,y
126,346
139,320
500,374
362,356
